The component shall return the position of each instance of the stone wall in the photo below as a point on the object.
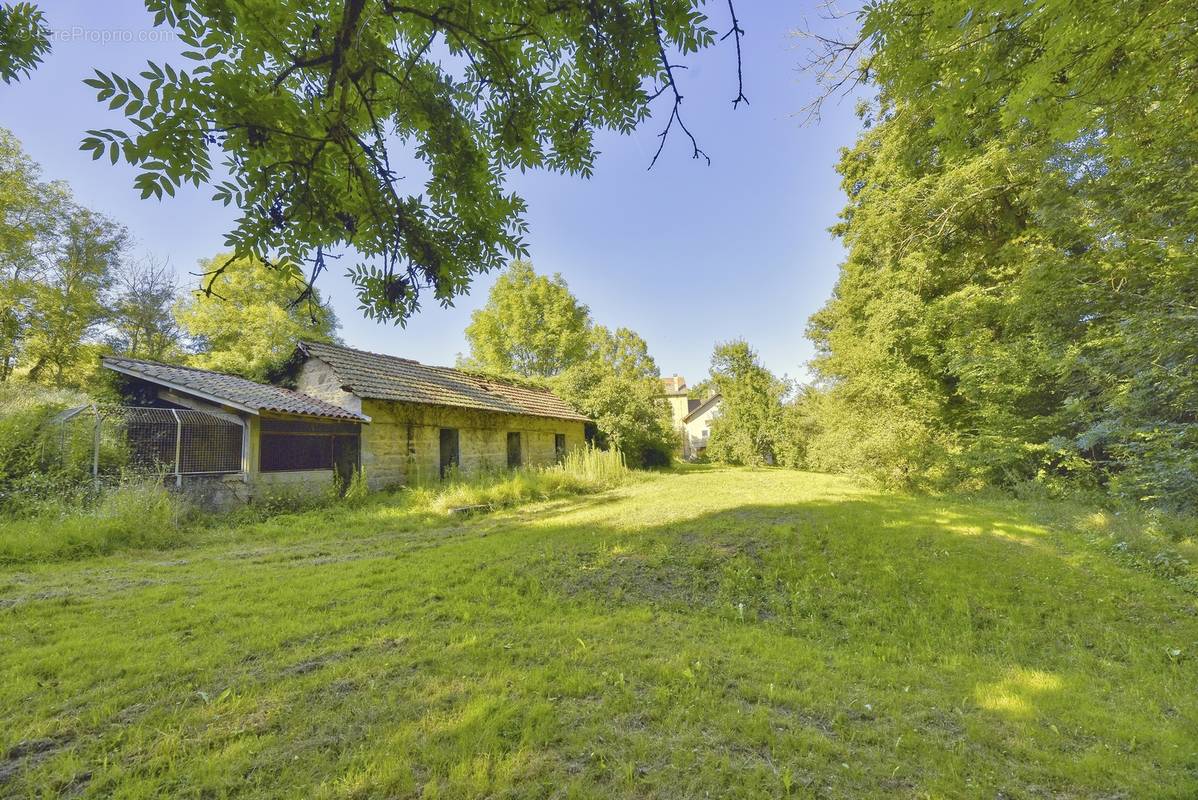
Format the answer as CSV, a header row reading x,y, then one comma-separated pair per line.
x,y
402,443
316,378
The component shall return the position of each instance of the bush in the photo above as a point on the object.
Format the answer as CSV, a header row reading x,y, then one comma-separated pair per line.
x,y
34,475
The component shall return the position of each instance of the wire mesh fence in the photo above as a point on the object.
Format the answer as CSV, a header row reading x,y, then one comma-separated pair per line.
x,y
119,440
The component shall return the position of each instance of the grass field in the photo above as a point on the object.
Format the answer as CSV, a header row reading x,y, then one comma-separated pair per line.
x,y
706,634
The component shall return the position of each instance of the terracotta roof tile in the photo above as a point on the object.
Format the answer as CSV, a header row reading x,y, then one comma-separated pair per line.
x,y
230,389
382,377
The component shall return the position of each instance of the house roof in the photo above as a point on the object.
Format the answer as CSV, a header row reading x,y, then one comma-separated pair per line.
x,y
702,407
382,377
230,390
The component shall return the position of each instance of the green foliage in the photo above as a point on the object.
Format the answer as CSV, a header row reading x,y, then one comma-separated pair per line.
x,y
142,322
1017,303
67,292
32,217
749,428
139,513
584,470
617,385
311,109
629,414
624,352
531,325
250,321
70,300
24,40
33,472
358,490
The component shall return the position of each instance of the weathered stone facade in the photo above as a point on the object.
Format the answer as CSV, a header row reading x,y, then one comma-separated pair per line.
x,y
402,443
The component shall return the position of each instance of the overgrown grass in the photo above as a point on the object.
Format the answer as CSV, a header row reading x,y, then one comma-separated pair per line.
x,y
715,633
582,471
141,513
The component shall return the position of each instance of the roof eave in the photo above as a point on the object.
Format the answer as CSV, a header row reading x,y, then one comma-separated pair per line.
x,y
708,403
348,416
179,387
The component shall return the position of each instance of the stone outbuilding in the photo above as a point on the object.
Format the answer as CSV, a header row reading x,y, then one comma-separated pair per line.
x,y
398,421
227,438
427,421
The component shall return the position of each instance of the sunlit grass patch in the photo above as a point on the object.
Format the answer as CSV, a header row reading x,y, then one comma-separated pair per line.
x,y
1016,694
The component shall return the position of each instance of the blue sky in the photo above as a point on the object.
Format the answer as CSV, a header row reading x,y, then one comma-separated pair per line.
x,y
685,254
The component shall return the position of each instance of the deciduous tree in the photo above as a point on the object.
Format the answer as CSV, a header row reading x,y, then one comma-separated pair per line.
x,y
142,322
29,212
749,427
531,325
1018,299
69,301
618,386
250,322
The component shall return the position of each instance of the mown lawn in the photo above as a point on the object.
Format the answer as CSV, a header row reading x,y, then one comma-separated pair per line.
x,y
709,634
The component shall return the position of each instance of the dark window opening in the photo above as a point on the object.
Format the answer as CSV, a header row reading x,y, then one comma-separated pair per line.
x,y
559,445
513,450
286,452
293,446
449,450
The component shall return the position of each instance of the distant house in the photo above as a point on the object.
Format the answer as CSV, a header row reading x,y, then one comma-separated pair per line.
x,y
399,420
692,417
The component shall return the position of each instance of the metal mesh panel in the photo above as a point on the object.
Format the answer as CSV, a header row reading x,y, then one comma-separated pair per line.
x,y
210,443
119,439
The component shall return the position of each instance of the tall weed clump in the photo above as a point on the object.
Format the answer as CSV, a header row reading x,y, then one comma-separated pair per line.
x,y
581,471
38,472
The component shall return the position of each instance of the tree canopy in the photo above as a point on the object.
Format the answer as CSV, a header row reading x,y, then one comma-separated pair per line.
x,y
24,40
749,427
1018,301
313,109
142,322
58,266
531,325
617,384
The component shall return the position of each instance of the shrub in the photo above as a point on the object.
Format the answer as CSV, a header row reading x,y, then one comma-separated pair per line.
x,y
37,472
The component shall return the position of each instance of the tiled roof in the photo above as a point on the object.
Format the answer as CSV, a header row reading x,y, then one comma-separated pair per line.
x,y
695,411
380,377
230,389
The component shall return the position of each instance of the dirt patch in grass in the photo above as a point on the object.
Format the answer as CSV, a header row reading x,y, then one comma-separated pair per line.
x,y
28,753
